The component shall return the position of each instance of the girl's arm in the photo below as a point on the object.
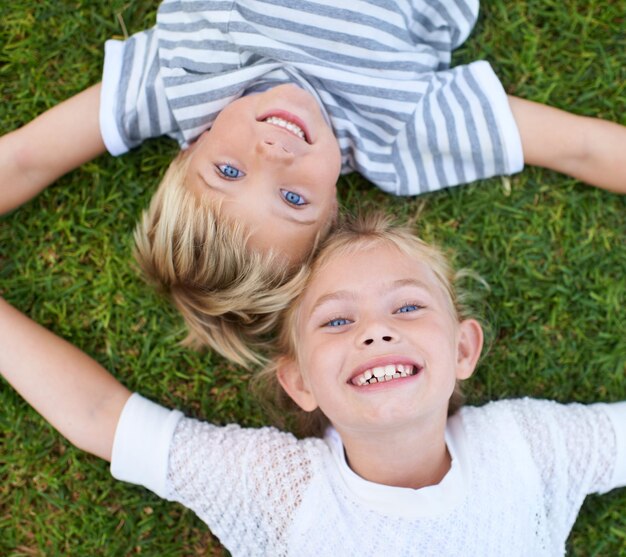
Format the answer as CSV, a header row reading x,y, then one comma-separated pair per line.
x,y
57,141
589,149
69,389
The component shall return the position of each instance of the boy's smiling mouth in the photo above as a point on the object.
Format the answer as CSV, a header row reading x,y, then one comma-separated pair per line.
x,y
287,121
384,373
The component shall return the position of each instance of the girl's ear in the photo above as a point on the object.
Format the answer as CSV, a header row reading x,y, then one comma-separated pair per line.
x,y
291,380
470,344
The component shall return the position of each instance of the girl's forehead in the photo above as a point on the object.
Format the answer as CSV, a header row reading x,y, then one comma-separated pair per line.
x,y
365,269
373,255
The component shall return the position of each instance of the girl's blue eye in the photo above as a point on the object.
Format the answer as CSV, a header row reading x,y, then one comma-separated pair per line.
x,y
407,308
294,198
230,172
338,322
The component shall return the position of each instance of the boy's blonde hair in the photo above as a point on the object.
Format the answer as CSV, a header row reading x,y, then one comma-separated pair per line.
x,y
228,294
354,235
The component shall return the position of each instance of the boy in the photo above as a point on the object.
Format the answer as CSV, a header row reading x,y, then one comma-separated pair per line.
x,y
270,103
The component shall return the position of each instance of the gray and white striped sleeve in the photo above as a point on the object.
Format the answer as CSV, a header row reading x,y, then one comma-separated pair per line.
x,y
462,130
133,104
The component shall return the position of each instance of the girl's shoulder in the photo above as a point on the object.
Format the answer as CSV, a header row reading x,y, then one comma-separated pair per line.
x,y
234,446
533,418
560,440
195,428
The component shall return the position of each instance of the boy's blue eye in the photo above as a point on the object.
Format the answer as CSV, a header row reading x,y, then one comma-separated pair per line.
x,y
338,322
294,198
230,172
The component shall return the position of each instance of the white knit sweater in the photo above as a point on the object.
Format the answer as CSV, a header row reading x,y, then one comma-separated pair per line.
x,y
520,472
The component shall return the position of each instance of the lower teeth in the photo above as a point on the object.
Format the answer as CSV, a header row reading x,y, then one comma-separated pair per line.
x,y
383,379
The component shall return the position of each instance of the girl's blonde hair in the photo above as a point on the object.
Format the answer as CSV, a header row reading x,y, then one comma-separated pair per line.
x,y
228,294
353,235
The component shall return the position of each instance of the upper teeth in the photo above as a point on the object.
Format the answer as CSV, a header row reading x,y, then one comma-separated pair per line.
x,y
383,373
293,128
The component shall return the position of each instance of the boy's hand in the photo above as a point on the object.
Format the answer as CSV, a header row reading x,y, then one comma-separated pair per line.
x,y
589,149
54,143
69,389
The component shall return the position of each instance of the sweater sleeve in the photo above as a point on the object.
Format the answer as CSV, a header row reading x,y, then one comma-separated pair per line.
x,y
577,450
617,415
244,483
142,444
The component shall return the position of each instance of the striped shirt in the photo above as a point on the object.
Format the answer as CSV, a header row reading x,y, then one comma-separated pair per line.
x,y
380,70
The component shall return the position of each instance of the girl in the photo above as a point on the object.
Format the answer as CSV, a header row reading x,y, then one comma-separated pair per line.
x,y
272,100
371,351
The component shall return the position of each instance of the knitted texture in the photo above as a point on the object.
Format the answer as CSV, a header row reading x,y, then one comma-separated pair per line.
x,y
246,484
525,465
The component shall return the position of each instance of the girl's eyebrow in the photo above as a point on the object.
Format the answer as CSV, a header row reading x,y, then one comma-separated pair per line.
x,y
332,296
409,282
350,295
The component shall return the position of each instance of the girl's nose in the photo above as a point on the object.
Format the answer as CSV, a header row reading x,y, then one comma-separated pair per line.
x,y
377,333
385,338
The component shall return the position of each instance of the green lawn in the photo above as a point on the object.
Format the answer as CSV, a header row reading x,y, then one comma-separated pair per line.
x,y
552,250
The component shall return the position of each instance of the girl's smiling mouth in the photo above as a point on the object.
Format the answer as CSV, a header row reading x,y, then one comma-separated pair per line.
x,y
384,373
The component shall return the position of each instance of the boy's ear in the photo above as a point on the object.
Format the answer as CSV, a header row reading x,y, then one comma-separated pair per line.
x,y
469,346
291,379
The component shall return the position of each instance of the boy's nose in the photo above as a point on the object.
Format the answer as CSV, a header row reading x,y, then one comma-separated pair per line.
x,y
275,150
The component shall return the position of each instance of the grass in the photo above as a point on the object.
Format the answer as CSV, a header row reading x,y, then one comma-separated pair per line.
x,y
552,250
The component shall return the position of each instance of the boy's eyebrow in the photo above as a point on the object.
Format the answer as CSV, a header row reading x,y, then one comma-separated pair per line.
x,y
348,295
288,216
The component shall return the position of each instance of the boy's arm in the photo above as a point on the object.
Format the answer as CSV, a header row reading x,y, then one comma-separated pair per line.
x,y
589,149
57,141
69,389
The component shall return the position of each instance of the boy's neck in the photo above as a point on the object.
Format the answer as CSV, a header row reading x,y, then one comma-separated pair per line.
x,y
413,457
